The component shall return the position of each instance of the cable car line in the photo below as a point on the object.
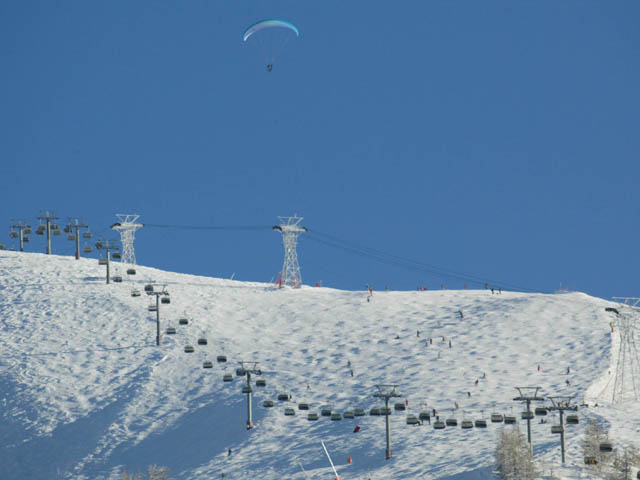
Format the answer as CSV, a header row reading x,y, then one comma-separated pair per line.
x,y
211,227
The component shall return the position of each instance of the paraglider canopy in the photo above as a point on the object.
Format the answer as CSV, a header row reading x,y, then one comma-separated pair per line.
x,y
270,36
268,24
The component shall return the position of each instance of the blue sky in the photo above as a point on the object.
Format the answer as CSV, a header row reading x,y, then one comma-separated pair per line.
x,y
497,139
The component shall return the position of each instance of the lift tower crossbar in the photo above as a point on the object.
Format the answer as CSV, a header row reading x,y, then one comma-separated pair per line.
x,y
528,395
561,404
291,230
387,391
249,368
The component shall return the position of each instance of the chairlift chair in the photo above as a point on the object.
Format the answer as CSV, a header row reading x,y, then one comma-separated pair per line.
x,y
606,447
556,429
227,377
466,424
102,261
572,419
438,425
335,417
590,461
283,397
202,341
359,412
25,239
240,372
13,234
166,300
246,389
153,308
206,363
67,229
117,279
184,321
348,414
261,383
87,235
526,415
56,232
400,406
188,349
385,411
374,412
116,256
424,416
325,412
412,420
221,358
131,271
303,406
2,247
451,422
509,419
135,293
87,249
312,417
171,330
27,230
71,237
267,403
148,288
289,412
481,423
541,411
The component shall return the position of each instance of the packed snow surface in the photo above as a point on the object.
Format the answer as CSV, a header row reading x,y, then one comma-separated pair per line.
x,y
86,392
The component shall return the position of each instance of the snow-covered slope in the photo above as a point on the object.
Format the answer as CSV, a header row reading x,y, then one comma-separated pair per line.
x,y
84,390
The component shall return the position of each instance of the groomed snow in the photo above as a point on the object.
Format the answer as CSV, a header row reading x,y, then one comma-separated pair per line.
x,y
85,391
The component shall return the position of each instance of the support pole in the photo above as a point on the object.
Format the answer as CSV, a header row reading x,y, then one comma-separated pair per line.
x,y
562,434
108,265
48,236
21,240
249,412
158,335
387,415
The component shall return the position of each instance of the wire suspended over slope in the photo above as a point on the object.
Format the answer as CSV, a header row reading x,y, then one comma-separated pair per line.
x,y
404,262
379,256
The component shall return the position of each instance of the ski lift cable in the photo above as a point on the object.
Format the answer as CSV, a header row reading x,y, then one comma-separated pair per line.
x,y
211,227
395,260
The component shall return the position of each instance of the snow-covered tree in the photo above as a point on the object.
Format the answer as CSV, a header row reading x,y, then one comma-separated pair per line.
x,y
594,435
624,464
514,460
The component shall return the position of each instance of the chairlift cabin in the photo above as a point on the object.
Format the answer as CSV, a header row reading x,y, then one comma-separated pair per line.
x,y
171,330
153,308
206,363
289,412
412,420
424,416
359,412
303,406
438,425
221,358
227,377
246,389
87,235
348,414
541,411
526,415
87,249
118,279
480,423
267,403
166,300
452,422
400,406
466,424
556,429
374,412
116,256
606,447
102,261
261,383
335,417
509,419
202,341
572,420
135,293
131,271
148,288
313,416
325,412
188,349
497,418
283,397
184,321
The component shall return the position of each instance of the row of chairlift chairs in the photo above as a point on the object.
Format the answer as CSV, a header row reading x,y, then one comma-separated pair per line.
x,y
55,230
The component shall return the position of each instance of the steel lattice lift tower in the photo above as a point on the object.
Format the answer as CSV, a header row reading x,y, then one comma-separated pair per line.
x,y
127,227
291,230
626,386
